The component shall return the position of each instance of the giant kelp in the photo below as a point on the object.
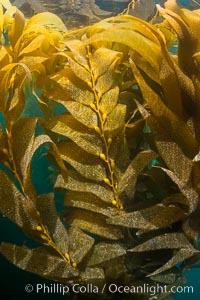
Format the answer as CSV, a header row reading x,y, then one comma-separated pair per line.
x,y
126,144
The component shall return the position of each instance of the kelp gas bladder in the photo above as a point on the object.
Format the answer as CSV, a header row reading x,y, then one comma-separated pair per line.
x,y
126,145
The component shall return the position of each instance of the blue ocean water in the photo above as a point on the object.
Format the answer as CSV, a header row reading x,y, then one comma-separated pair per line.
x,y
193,280
14,280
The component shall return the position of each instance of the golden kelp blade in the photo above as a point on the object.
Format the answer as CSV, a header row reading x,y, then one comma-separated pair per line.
x,y
6,4
118,128
47,20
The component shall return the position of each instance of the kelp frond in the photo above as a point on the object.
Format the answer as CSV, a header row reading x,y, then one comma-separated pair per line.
x,y
120,116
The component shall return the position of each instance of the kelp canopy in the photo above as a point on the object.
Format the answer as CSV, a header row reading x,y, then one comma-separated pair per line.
x,y
120,116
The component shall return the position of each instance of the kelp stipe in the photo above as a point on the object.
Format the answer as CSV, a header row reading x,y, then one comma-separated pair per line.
x,y
127,146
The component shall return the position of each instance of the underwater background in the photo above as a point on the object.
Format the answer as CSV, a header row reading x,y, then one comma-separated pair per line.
x,y
12,279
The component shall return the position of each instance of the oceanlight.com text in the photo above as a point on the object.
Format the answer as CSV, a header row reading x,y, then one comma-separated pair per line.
x,y
112,288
